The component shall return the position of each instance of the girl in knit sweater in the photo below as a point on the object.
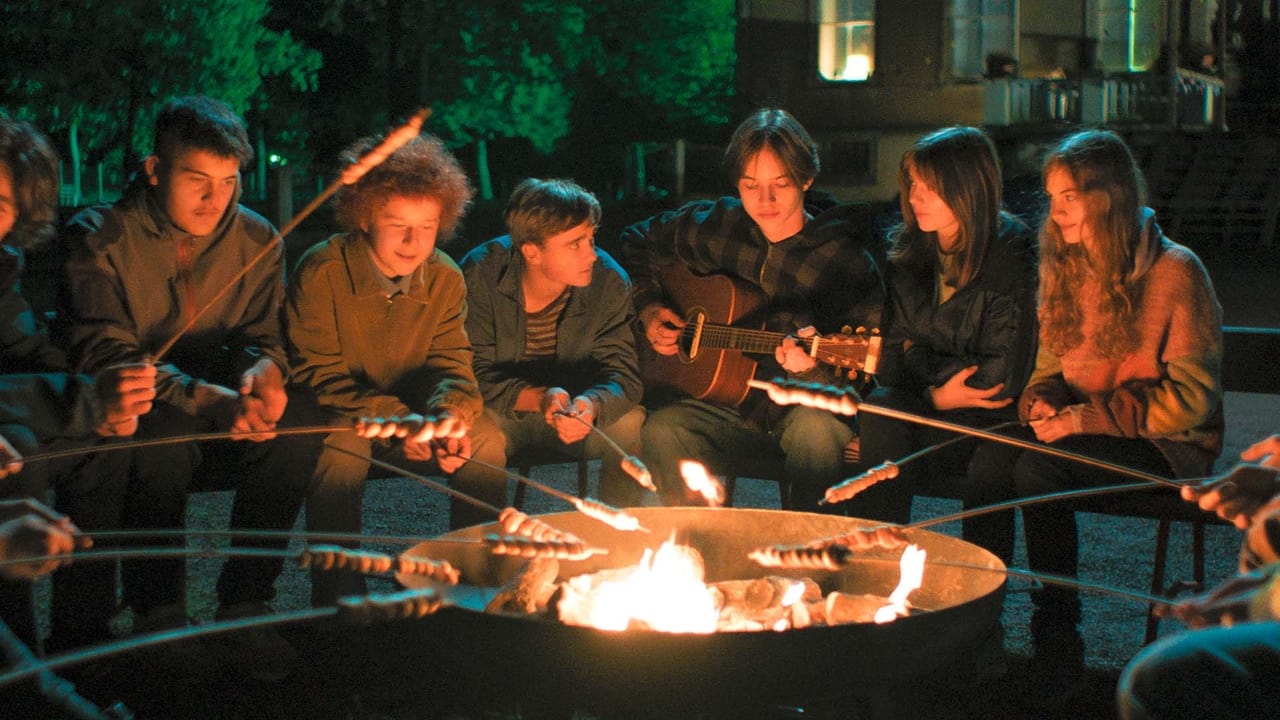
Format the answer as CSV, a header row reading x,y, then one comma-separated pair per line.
x,y
1128,368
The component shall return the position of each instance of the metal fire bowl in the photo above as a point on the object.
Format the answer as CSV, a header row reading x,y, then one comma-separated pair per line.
x,y
539,659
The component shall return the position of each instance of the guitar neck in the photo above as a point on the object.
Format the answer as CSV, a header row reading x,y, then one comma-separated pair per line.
x,y
725,337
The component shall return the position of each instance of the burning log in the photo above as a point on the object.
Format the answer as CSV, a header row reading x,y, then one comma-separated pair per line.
x,y
529,590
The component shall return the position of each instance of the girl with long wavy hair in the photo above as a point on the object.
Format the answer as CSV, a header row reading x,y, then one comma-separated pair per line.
x,y
1128,368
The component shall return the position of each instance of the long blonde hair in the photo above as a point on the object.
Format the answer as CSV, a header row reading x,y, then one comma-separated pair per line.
x,y
1114,194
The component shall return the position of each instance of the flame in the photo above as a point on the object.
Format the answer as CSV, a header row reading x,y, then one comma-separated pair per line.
x,y
912,568
664,592
697,479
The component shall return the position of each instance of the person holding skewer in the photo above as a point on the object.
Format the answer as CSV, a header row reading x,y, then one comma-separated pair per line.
x,y
44,405
1128,368
960,342
376,328
804,263
171,266
1229,666
550,322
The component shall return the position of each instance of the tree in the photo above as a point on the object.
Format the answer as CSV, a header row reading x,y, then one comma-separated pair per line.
x,y
97,70
490,70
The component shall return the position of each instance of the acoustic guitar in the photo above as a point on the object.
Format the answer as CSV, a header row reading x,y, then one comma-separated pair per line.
x,y
722,327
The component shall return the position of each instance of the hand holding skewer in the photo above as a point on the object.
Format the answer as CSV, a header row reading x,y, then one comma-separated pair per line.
x,y
631,465
1244,495
1225,605
11,461
572,419
125,391
31,530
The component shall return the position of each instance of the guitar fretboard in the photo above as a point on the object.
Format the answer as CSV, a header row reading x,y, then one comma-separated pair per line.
x,y
723,337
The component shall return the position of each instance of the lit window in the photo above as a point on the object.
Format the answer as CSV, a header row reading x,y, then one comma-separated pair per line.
x,y
846,39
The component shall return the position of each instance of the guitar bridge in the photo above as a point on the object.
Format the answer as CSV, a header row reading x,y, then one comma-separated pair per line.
x,y
695,340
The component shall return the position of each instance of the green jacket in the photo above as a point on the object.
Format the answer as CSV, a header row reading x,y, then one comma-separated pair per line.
x,y
367,355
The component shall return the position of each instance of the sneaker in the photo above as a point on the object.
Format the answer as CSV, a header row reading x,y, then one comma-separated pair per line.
x,y
260,652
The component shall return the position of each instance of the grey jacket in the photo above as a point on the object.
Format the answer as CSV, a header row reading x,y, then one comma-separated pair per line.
x,y
35,390
133,280
595,345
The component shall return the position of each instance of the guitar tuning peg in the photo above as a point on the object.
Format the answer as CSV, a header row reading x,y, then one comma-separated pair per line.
x,y
845,330
862,330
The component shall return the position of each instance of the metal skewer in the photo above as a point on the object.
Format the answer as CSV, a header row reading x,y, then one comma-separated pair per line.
x,y
874,475
630,464
351,174
611,516
795,393
189,437
440,487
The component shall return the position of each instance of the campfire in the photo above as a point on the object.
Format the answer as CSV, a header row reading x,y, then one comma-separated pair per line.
x,y
523,651
666,591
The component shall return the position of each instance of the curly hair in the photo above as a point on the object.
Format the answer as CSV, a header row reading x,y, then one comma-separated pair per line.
x,y
423,167
1114,195
778,131
33,171
960,164
540,208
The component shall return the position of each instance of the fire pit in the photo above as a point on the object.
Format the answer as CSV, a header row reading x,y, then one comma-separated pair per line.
x,y
539,660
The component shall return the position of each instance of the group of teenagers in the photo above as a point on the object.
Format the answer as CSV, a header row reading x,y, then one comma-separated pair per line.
x,y
1096,334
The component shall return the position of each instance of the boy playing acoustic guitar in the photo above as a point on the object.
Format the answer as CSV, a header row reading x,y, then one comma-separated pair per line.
x,y
810,261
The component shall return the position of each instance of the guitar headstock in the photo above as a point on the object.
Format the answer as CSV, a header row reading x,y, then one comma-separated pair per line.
x,y
855,350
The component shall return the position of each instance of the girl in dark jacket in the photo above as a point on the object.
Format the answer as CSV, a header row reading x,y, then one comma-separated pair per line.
x,y
961,337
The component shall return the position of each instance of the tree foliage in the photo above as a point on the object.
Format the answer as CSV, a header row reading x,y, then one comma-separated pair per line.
x,y
104,66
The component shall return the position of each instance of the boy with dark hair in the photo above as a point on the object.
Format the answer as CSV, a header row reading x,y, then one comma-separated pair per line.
x,y
162,263
550,324
811,263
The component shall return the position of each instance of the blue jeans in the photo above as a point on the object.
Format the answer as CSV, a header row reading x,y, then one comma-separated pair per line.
x,y
804,446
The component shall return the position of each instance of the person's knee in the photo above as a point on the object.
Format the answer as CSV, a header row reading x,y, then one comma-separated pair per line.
x,y
815,431
337,468
628,429
488,442
1032,474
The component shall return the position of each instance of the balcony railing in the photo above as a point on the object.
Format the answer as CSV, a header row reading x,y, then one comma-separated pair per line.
x,y
1129,99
